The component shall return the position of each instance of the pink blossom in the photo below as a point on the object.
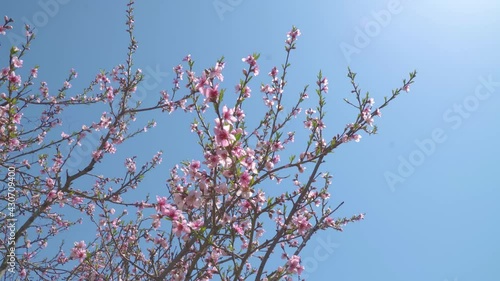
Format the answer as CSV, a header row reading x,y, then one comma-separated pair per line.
x,y
161,241
195,165
178,70
17,118
239,113
211,93
172,213
52,194
294,33
330,222
97,155
238,229
268,102
101,77
157,158
197,224
221,188
406,88
246,92
202,81
110,95
130,165
179,200
245,179
17,62
194,127
253,64
14,143
245,206
62,259
161,203
291,38
109,148
356,137
222,135
14,79
244,189
76,200
50,183
105,121
216,71
269,165
44,89
265,89
180,227
166,209
194,199
79,251
273,72
293,265
228,115
367,116
310,111
250,60
324,84
302,224
277,146
211,159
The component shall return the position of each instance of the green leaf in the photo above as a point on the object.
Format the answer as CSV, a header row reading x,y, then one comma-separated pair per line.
x,y
13,50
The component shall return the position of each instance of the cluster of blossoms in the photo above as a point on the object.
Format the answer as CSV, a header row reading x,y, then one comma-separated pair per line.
x,y
6,26
252,62
79,251
10,115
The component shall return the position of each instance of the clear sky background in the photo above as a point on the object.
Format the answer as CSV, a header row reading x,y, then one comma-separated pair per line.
x,y
437,218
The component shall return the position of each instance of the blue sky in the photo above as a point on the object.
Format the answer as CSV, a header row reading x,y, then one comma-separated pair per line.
x,y
439,220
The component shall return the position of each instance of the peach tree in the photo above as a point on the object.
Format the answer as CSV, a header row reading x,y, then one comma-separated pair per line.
x,y
247,200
